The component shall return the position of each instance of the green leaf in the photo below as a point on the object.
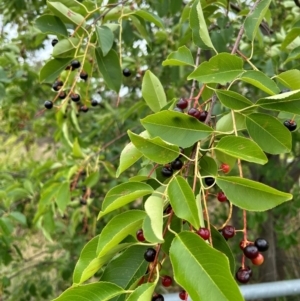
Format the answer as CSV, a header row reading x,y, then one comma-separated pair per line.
x,y
183,201
269,133
254,19
129,155
88,263
199,28
5,226
109,66
77,152
65,48
294,54
242,148
143,292
251,195
289,79
290,37
51,24
225,123
126,268
52,69
233,100
261,81
122,195
176,226
63,197
148,16
176,128
153,223
208,269
141,27
118,228
19,217
103,291
66,14
153,92
287,102
208,166
92,179
155,149
105,38
221,68
181,57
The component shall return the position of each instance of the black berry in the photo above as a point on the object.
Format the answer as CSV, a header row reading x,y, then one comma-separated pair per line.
x,y
243,275
83,202
150,255
75,64
84,109
126,72
83,75
177,164
62,95
203,115
209,181
167,171
182,103
251,251
194,112
57,85
261,244
48,104
75,97
291,125
54,42
158,298
228,231
94,102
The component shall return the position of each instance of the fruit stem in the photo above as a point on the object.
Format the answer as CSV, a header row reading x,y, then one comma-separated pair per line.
x,y
229,216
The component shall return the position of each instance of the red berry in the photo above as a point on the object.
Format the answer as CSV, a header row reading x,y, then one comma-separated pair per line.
x,y
204,233
221,197
166,281
182,295
182,103
243,275
251,251
225,167
228,231
194,112
140,235
258,260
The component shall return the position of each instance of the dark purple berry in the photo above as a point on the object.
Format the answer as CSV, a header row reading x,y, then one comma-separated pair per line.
x,y
261,244
203,115
204,233
57,85
291,125
75,64
62,95
251,251
48,104
167,171
182,103
228,231
194,112
126,72
94,102
84,109
177,164
83,75
140,235
150,254
54,42
243,275
75,97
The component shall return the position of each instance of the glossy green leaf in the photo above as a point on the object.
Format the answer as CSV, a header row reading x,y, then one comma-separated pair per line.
x,y
221,68
198,25
105,38
88,263
181,57
92,179
18,216
153,223
183,201
269,133
155,149
251,195
290,37
118,228
77,152
261,81
109,66
290,79
208,269
66,14
65,48
151,17
63,197
51,24
124,194
242,148
52,69
233,100
208,166
143,292
153,92
127,268
254,19
176,128
225,123
103,291
287,102
6,227
129,155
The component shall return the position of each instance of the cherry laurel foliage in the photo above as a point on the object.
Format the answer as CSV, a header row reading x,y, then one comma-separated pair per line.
x,y
193,41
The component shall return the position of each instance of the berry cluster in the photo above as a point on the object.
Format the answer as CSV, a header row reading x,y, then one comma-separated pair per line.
x,y
183,103
251,251
177,164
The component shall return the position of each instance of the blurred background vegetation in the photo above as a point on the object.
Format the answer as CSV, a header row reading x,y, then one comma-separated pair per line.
x,y
39,245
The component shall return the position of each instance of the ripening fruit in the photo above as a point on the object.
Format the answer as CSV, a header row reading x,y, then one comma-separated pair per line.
x,y
225,167
221,197
204,233
140,235
258,260
166,281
